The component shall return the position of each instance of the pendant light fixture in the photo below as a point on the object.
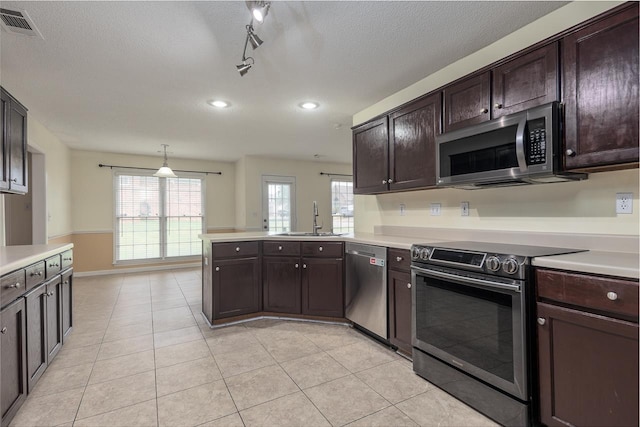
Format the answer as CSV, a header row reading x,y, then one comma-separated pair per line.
x,y
165,171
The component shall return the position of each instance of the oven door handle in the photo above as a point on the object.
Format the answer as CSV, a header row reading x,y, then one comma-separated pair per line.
x,y
469,280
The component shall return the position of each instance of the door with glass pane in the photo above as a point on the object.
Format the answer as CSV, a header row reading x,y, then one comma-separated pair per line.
x,y
278,203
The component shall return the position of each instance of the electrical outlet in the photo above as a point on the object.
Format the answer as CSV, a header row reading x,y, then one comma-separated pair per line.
x,y
464,208
402,209
624,203
435,209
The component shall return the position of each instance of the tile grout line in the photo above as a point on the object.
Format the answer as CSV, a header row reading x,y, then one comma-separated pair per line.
x,y
155,368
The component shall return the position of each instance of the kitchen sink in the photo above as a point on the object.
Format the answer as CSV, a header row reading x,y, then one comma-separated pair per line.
x,y
308,233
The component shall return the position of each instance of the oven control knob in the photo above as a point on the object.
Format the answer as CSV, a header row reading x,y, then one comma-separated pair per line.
x,y
493,263
424,254
415,253
510,266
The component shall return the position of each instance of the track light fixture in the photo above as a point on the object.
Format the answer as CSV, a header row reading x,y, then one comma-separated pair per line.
x,y
259,10
253,38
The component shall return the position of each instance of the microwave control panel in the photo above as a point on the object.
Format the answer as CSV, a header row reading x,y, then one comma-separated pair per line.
x,y
537,153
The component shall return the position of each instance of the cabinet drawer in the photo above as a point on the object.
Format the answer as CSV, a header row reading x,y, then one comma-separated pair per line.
x,y
67,259
616,296
281,248
235,250
52,266
399,259
12,286
35,275
323,249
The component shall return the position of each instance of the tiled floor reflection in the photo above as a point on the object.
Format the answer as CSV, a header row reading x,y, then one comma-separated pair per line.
x,y
140,354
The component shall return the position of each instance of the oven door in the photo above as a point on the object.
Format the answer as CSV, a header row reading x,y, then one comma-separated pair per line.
x,y
472,322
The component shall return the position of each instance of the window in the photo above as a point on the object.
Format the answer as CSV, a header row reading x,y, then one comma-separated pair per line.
x,y
342,205
278,204
157,218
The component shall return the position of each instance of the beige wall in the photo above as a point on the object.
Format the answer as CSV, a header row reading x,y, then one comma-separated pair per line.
x,y
310,186
241,195
579,207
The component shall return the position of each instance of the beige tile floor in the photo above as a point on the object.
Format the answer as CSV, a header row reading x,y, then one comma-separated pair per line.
x,y
140,354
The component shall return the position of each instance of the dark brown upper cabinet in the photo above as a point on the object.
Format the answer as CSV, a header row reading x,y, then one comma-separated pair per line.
x,y
600,78
13,157
526,81
371,157
397,152
412,144
467,102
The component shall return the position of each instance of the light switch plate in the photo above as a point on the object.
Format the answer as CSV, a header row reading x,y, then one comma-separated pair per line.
x,y
464,208
624,203
403,208
435,209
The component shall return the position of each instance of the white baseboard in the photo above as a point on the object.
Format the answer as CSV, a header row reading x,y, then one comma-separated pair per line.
x,y
135,269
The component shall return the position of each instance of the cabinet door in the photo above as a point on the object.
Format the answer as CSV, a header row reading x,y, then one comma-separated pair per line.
x,y
588,368
601,92
237,287
371,157
67,304
399,288
17,136
467,102
4,142
322,287
525,82
281,279
412,144
54,318
36,311
13,362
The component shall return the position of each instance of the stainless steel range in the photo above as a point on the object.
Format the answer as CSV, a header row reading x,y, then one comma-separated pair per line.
x,y
472,306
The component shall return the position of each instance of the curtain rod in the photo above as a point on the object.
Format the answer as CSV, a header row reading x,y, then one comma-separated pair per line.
x,y
334,174
152,169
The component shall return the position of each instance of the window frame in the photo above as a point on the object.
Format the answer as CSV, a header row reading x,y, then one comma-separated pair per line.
x,y
116,173
342,179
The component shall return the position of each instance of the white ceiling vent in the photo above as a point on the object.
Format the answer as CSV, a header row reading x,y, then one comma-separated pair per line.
x,y
18,22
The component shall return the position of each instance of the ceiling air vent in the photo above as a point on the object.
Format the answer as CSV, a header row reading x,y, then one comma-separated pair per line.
x,y
18,22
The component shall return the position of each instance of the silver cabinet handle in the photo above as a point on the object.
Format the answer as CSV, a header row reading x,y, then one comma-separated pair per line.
x,y
217,268
279,248
66,282
320,249
612,296
484,111
409,285
15,285
497,105
304,265
570,152
237,248
541,321
390,181
297,265
50,293
399,258
384,181
14,179
57,265
4,330
37,273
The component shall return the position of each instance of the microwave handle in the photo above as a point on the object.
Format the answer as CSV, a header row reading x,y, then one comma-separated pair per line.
x,y
522,160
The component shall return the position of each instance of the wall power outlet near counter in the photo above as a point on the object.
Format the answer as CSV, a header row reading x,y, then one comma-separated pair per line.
x,y
624,203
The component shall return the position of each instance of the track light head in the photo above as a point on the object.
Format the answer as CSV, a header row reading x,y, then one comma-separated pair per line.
x,y
245,66
253,38
259,9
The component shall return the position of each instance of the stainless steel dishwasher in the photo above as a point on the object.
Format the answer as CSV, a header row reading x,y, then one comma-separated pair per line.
x,y
366,295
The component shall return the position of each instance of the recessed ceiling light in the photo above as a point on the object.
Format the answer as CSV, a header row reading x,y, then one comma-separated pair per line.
x,y
219,103
309,105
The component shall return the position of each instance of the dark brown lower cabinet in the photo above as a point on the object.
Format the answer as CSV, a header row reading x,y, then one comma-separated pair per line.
x,y
237,287
54,318
322,287
13,360
36,312
588,368
281,281
67,303
399,288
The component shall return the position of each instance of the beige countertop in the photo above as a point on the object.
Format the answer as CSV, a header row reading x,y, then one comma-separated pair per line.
x,y
619,264
15,257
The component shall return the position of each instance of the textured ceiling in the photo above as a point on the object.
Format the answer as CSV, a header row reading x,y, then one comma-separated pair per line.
x,y
128,76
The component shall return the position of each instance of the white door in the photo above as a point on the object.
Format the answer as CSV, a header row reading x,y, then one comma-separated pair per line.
x,y
278,203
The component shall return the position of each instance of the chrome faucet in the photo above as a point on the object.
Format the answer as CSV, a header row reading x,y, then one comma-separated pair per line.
x,y
316,227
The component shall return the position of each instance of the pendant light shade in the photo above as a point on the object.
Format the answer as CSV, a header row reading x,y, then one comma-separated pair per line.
x,y
165,171
254,40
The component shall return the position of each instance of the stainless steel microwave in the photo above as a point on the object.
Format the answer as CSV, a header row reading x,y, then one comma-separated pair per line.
x,y
521,148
